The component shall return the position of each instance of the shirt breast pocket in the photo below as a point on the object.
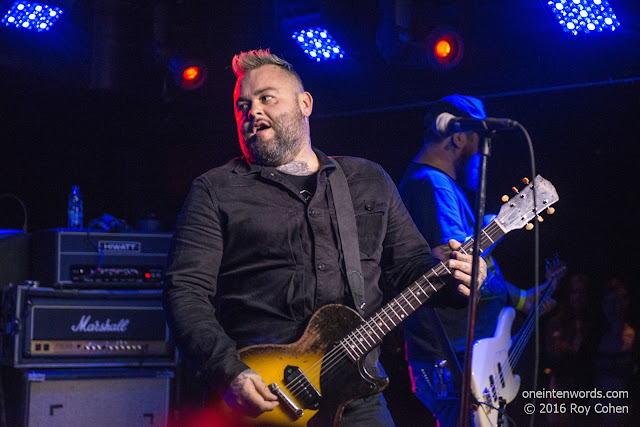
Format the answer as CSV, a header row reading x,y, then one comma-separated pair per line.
x,y
370,217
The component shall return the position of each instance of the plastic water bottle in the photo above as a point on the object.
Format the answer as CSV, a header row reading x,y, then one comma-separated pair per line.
x,y
75,208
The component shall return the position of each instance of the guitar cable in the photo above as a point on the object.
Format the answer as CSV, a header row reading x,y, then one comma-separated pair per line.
x,y
503,411
536,272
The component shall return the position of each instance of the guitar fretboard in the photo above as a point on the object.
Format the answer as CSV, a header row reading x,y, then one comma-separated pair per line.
x,y
370,333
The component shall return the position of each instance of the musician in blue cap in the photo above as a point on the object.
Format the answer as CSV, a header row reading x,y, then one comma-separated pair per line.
x,y
434,189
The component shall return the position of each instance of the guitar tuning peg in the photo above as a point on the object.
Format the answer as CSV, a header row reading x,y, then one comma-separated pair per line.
x,y
540,219
504,198
551,210
528,227
515,190
525,181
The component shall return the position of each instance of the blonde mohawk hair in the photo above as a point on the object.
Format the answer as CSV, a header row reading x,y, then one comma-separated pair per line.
x,y
244,62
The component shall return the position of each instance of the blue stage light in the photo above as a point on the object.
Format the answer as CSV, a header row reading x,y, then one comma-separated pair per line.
x,y
32,16
584,16
318,44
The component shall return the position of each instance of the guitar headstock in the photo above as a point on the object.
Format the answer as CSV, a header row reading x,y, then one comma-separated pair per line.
x,y
519,210
555,269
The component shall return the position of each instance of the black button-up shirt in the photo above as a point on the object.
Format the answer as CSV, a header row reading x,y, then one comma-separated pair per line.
x,y
251,260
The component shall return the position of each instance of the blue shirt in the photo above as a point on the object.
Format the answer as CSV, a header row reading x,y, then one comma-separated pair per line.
x,y
442,212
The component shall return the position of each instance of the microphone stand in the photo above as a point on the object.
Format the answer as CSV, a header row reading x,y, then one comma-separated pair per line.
x,y
484,150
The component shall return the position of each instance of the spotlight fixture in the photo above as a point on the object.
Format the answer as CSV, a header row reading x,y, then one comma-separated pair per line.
x,y
584,16
31,16
188,74
444,49
317,44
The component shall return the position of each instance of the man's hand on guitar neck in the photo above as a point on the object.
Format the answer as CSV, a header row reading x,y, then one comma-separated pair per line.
x,y
462,264
249,395
548,303
555,271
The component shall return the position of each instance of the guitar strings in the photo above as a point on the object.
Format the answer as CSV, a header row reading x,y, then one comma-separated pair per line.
x,y
367,329
362,345
514,356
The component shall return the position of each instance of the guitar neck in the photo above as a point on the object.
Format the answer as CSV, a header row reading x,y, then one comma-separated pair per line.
x,y
370,333
527,326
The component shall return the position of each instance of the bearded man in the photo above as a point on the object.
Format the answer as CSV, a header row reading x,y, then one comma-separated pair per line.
x,y
257,249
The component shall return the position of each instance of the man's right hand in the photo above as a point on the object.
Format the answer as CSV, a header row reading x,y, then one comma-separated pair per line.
x,y
249,395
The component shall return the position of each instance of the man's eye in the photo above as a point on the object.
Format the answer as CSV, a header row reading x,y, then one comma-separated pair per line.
x,y
242,107
267,98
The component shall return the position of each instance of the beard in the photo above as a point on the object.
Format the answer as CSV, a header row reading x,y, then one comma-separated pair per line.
x,y
471,174
289,134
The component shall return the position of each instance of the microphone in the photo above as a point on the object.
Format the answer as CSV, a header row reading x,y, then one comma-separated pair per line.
x,y
447,124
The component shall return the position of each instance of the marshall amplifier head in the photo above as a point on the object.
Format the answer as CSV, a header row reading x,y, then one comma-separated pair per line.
x,y
45,327
86,259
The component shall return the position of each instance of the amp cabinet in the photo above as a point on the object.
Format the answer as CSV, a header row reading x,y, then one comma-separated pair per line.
x,y
87,397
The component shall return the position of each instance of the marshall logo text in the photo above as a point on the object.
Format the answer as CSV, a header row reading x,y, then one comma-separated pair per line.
x,y
86,325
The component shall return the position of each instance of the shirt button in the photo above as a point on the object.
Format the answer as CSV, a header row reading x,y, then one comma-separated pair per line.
x,y
368,206
321,267
313,212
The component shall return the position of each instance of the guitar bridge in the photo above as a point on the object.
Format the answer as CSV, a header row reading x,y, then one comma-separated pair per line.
x,y
289,405
307,393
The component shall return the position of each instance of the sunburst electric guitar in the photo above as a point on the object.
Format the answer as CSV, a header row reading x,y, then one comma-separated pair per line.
x,y
493,382
315,377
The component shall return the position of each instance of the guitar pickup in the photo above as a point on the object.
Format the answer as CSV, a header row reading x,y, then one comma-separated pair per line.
x,y
289,405
306,392
492,383
501,376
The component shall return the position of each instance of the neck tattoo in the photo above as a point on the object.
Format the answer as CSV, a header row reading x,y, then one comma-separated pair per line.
x,y
298,168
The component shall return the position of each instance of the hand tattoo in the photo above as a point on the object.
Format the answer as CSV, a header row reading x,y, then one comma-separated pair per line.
x,y
238,383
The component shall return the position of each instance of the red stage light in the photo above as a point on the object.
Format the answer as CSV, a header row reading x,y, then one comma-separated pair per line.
x,y
188,74
445,48
442,48
191,73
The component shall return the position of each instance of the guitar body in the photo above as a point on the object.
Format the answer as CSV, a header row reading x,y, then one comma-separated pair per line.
x,y
492,376
345,381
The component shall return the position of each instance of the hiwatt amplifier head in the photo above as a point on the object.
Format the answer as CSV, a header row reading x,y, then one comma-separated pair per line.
x,y
86,259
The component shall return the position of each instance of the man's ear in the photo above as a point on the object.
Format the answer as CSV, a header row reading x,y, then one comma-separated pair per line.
x,y
458,140
305,102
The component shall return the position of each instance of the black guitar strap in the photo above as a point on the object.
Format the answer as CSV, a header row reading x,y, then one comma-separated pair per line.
x,y
348,233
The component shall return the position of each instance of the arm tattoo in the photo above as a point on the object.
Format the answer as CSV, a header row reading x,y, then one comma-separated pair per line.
x,y
297,167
